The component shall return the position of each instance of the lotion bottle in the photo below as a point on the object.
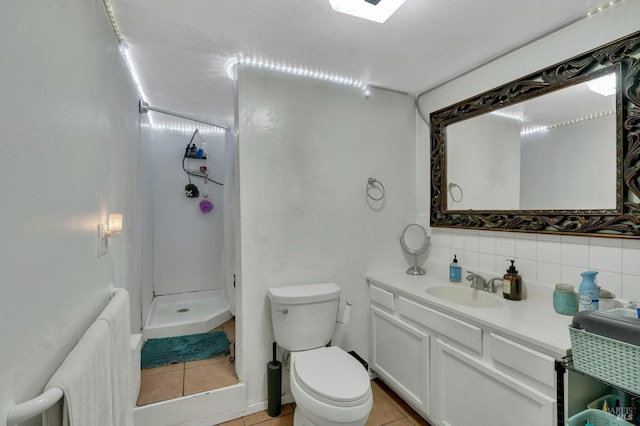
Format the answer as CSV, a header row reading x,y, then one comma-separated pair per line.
x,y
512,283
455,271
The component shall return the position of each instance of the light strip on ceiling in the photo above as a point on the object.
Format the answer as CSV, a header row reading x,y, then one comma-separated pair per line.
x,y
374,11
303,72
517,116
135,76
539,129
112,18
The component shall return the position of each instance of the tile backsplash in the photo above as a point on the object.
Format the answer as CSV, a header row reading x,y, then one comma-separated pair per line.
x,y
542,257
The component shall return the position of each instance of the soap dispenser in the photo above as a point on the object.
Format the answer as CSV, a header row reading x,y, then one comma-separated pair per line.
x,y
455,271
512,283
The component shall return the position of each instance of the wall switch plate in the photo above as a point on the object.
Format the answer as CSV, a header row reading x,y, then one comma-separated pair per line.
x,y
103,242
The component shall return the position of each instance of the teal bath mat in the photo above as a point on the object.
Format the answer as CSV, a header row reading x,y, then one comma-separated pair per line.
x,y
173,350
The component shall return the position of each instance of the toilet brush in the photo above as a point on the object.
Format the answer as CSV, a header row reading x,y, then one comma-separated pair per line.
x,y
274,384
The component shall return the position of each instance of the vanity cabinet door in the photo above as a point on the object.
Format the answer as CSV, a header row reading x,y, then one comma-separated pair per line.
x,y
473,393
400,356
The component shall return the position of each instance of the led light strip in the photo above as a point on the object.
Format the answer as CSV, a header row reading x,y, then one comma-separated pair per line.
x,y
538,129
304,72
188,128
602,7
112,18
533,129
517,116
581,119
126,54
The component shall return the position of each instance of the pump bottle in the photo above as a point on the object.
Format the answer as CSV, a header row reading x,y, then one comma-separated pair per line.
x,y
512,284
455,271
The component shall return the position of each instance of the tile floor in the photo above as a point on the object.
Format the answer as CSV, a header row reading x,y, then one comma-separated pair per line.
x,y
176,380
388,409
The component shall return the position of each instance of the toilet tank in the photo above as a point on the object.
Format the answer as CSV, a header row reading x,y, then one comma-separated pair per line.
x,y
304,316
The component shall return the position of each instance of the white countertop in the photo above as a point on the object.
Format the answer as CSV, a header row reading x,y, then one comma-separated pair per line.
x,y
531,320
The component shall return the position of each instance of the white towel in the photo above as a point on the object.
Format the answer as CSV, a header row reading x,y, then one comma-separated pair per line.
x,y
85,380
116,315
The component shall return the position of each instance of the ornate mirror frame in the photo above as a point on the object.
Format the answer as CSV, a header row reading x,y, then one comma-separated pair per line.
x,y
624,220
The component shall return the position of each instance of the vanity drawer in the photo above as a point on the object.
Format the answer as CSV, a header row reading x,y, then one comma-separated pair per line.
x,y
452,328
522,359
381,297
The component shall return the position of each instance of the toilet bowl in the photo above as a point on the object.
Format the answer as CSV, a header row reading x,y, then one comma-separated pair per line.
x,y
329,386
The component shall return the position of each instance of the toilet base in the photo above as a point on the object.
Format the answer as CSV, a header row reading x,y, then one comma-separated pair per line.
x,y
303,418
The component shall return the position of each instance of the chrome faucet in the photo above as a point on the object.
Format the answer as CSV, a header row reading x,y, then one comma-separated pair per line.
x,y
491,284
479,283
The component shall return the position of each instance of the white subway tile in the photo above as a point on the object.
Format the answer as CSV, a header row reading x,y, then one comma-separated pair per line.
x,y
472,241
527,269
506,245
605,242
457,240
549,251
630,260
605,258
471,259
487,262
630,287
610,281
487,242
571,275
549,237
631,244
550,273
575,254
442,237
526,248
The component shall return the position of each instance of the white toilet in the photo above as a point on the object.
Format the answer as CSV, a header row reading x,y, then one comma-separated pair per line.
x,y
329,386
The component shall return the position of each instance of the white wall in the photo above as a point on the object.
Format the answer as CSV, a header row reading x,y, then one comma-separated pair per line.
x,y
69,153
483,158
187,244
581,172
306,149
545,258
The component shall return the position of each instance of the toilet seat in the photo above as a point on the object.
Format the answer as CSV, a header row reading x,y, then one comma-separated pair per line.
x,y
332,376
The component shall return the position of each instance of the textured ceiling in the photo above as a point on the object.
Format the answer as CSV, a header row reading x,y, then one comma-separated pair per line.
x,y
181,48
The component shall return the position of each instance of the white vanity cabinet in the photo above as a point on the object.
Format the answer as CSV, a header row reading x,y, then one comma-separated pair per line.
x,y
473,392
400,353
456,372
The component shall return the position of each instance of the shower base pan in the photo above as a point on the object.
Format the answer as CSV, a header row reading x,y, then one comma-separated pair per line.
x,y
187,313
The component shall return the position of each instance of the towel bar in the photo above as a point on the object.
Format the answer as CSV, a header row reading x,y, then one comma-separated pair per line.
x,y
40,403
33,407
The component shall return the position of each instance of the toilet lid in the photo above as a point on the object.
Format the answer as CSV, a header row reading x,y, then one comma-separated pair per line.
x,y
331,374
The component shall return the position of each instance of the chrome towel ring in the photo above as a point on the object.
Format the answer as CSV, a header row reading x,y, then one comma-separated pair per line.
x,y
372,184
453,186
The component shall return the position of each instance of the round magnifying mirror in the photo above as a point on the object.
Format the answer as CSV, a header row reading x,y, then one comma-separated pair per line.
x,y
414,241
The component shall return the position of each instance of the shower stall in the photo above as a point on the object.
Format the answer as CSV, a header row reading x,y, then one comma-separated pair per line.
x,y
187,284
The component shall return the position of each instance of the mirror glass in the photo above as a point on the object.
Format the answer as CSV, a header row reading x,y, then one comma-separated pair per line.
x,y
414,239
556,151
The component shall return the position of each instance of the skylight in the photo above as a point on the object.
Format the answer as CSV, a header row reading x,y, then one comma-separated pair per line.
x,y
377,11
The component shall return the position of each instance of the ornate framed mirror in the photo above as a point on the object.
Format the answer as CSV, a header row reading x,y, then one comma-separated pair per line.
x,y
557,151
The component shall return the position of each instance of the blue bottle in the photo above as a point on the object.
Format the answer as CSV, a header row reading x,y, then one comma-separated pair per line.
x,y
455,271
588,294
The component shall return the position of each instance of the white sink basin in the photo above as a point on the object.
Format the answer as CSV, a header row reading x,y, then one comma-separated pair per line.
x,y
465,296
